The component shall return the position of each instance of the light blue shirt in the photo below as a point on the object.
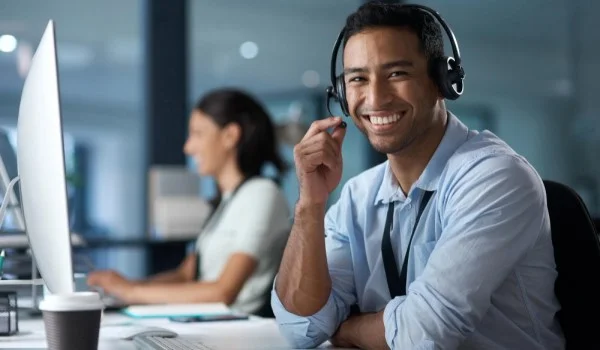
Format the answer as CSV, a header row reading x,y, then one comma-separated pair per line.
x,y
481,268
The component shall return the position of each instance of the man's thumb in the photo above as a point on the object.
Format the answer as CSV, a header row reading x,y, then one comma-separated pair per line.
x,y
339,133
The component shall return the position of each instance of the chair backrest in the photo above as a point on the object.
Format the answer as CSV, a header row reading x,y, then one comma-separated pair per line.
x,y
577,255
266,311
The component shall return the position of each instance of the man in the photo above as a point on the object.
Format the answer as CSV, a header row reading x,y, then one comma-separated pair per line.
x,y
480,272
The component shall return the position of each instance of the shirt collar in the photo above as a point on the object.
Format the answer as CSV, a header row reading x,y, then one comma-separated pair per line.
x,y
454,136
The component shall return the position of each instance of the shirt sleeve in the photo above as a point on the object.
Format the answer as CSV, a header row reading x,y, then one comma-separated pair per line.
x,y
259,217
310,332
491,219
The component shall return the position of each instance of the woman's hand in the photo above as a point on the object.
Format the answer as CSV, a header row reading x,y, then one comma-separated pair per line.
x,y
113,283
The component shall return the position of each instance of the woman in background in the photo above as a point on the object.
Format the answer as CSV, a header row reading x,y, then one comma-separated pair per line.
x,y
231,138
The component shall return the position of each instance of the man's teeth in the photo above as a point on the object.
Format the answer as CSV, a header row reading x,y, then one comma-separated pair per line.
x,y
384,120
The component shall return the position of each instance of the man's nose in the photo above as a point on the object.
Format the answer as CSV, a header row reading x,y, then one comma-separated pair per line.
x,y
379,94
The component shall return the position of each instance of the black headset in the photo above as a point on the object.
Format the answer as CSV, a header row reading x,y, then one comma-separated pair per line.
x,y
447,71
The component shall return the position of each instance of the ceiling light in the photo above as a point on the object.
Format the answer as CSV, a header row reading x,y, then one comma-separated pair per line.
x,y
24,57
310,79
8,43
249,50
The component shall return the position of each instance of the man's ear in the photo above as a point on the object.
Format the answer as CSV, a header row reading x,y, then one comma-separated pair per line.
x,y
440,95
232,133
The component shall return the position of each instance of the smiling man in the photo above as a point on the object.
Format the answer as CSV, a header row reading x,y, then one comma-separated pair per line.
x,y
445,245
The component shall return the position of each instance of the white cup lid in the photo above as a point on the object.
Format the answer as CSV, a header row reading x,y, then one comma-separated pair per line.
x,y
77,301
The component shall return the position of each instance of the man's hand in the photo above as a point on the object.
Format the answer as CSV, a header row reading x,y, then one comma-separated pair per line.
x,y
303,284
112,283
339,341
364,331
318,160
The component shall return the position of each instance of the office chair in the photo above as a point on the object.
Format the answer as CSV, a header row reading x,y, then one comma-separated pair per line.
x,y
577,256
266,310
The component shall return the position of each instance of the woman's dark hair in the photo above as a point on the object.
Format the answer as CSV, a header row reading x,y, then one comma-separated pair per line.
x,y
257,145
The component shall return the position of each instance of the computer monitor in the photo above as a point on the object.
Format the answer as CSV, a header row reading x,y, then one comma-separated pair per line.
x,y
41,166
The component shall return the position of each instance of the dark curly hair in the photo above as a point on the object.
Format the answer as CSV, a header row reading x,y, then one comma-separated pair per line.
x,y
381,14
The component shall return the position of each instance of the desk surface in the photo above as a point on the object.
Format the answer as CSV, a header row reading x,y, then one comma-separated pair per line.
x,y
256,333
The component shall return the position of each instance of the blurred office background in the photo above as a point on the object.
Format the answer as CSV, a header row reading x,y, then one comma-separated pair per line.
x,y
130,71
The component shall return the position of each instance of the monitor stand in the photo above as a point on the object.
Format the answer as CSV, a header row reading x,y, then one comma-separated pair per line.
x,y
7,238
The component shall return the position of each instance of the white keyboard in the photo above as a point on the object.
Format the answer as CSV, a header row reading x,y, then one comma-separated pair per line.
x,y
160,343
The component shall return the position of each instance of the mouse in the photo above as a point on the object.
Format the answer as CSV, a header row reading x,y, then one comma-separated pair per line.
x,y
148,331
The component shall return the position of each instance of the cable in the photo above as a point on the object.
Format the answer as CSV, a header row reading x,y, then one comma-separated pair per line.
x,y
7,199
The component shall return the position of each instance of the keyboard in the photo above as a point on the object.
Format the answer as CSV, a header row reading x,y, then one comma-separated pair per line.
x,y
160,343
112,303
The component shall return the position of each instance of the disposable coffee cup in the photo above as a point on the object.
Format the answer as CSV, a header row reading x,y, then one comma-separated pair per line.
x,y
72,321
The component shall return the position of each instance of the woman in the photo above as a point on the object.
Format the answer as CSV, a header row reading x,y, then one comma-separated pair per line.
x,y
231,138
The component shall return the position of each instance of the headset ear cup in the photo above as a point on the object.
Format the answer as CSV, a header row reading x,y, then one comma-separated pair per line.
x,y
446,75
340,86
441,77
456,75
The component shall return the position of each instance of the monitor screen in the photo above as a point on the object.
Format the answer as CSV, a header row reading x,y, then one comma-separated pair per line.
x,y
41,166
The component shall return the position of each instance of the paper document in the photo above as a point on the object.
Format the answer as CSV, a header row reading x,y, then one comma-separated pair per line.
x,y
170,310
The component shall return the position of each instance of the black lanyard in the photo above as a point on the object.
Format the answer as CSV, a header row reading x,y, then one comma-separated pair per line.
x,y
397,281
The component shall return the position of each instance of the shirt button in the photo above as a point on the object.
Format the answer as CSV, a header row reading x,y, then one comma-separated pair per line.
x,y
410,206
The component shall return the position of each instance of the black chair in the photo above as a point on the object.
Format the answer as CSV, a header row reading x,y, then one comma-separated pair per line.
x,y
577,255
266,310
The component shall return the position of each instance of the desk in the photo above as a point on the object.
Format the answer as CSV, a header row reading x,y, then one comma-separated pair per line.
x,y
257,333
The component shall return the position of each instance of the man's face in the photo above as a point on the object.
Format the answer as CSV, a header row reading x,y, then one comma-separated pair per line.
x,y
391,97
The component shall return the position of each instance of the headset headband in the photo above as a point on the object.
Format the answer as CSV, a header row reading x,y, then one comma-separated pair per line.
x,y
430,11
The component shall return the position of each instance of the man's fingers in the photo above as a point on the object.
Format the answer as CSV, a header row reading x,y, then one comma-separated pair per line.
x,y
325,155
324,144
322,125
313,157
316,159
319,147
323,140
330,162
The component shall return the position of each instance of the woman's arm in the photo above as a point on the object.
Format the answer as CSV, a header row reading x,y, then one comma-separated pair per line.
x,y
255,237
185,272
238,269
112,282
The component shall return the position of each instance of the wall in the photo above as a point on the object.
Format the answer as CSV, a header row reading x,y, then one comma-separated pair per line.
x,y
117,167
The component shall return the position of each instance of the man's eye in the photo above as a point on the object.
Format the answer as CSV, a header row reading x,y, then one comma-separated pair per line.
x,y
398,73
356,79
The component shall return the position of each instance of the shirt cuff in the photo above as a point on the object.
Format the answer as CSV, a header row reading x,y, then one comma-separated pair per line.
x,y
307,331
389,320
325,319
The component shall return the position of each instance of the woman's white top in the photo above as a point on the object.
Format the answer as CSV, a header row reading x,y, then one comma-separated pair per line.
x,y
255,221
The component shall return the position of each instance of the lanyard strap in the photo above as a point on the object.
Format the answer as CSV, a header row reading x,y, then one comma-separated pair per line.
x,y
210,220
397,281
216,213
